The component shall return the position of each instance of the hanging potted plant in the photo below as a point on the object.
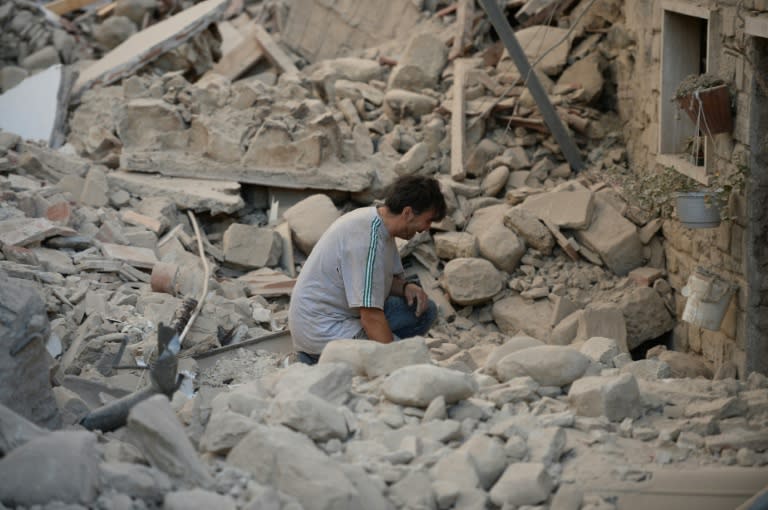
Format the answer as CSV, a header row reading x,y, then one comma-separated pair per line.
x,y
706,99
669,193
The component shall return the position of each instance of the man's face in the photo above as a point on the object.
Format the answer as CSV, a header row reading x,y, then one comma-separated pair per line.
x,y
414,223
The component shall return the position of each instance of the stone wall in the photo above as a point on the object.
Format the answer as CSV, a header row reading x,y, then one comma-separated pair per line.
x,y
733,248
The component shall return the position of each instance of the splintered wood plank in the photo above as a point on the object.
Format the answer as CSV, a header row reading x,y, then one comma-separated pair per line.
x,y
561,240
274,53
245,54
463,28
62,7
458,173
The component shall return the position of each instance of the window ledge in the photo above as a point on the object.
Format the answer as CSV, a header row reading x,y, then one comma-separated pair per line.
x,y
697,173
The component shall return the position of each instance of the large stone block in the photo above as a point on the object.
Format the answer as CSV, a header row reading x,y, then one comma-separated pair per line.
x,y
373,359
60,466
309,219
566,209
418,385
144,124
154,428
615,397
527,225
251,247
471,281
290,462
613,237
25,386
421,64
514,315
645,315
523,483
548,365
451,245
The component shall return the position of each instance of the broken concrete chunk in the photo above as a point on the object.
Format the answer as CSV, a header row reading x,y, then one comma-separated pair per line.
x,y
566,209
149,44
421,65
181,500
133,255
310,415
224,430
251,247
615,397
584,74
645,315
373,359
400,103
144,124
70,472
292,463
528,226
471,281
501,246
515,314
196,194
24,231
650,369
418,385
514,344
155,430
537,40
309,219
613,237
135,479
523,483
548,365
604,320
495,181
330,381
452,245
15,430
24,362
601,350
113,31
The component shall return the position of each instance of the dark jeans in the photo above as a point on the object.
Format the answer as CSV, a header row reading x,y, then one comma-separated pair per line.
x,y
402,321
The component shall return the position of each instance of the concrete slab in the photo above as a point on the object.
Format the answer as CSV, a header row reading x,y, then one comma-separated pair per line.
x,y
147,45
673,488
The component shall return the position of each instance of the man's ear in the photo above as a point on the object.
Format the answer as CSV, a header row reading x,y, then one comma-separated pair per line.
x,y
408,212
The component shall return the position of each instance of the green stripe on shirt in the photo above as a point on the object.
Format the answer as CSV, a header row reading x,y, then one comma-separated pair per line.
x,y
370,263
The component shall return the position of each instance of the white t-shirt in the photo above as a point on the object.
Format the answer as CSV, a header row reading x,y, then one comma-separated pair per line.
x,y
351,266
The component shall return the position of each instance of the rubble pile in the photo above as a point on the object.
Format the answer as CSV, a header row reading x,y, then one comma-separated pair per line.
x,y
548,283
30,43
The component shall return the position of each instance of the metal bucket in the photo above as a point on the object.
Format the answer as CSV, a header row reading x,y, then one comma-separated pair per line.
x,y
695,210
708,299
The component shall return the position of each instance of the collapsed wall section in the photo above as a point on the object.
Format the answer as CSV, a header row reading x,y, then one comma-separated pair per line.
x,y
320,29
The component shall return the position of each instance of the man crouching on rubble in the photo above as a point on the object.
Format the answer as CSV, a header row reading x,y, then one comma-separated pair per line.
x,y
352,284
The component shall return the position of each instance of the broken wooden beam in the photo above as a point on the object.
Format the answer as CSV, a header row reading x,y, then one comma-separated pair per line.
x,y
274,53
62,7
458,172
463,28
562,241
526,122
507,35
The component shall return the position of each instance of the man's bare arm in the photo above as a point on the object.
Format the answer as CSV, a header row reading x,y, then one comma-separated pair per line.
x,y
375,324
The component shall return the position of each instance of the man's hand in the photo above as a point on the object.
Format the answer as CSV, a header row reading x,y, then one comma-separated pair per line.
x,y
413,292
